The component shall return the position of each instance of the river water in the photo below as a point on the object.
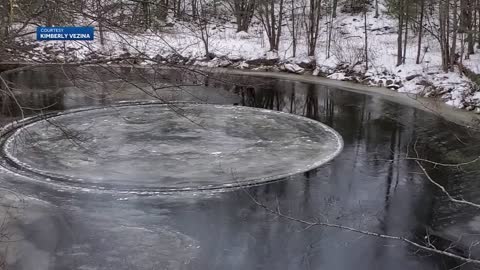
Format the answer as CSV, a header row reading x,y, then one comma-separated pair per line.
x,y
370,186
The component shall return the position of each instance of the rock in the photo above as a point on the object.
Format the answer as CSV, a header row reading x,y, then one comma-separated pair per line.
x,y
210,56
324,70
316,71
477,110
262,61
235,58
389,82
411,77
339,76
424,83
393,86
307,64
219,62
242,65
368,74
242,35
272,55
158,58
176,59
293,68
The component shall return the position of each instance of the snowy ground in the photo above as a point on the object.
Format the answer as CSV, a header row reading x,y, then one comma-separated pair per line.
x,y
182,43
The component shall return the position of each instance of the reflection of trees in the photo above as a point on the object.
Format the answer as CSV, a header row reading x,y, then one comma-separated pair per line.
x,y
248,95
329,107
292,102
297,98
265,97
31,101
395,142
310,109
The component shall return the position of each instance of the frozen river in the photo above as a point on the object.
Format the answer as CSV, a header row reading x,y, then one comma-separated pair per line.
x,y
72,202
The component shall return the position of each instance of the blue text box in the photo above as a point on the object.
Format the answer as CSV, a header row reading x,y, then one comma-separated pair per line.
x,y
65,33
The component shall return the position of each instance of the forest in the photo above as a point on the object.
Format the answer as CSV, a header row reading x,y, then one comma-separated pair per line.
x,y
423,47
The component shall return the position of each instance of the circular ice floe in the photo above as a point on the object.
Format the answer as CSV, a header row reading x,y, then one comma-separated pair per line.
x,y
148,146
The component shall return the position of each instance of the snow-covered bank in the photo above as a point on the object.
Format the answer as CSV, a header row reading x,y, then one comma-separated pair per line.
x,y
181,44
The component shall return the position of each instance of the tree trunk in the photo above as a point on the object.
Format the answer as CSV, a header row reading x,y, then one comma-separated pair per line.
x,y
100,22
271,22
146,14
202,21
5,19
334,8
404,56
462,49
420,31
243,11
194,9
329,41
279,26
454,36
443,38
478,24
400,32
163,10
366,38
470,10
294,35
312,25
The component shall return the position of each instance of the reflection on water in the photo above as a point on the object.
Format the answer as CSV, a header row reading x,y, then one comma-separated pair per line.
x,y
369,186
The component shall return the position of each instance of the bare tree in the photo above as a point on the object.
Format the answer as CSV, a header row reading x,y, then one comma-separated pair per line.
x,y
401,16
334,8
295,24
365,37
405,40
420,30
202,21
312,24
270,13
453,49
466,24
444,35
243,10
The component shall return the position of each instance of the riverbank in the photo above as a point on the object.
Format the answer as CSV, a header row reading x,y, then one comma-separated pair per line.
x,y
339,55
432,105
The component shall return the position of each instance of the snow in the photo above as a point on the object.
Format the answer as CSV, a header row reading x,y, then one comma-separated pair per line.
x,y
338,76
346,53
243,35
293,68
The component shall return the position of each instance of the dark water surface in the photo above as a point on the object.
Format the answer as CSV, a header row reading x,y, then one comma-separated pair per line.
x,y
369,186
